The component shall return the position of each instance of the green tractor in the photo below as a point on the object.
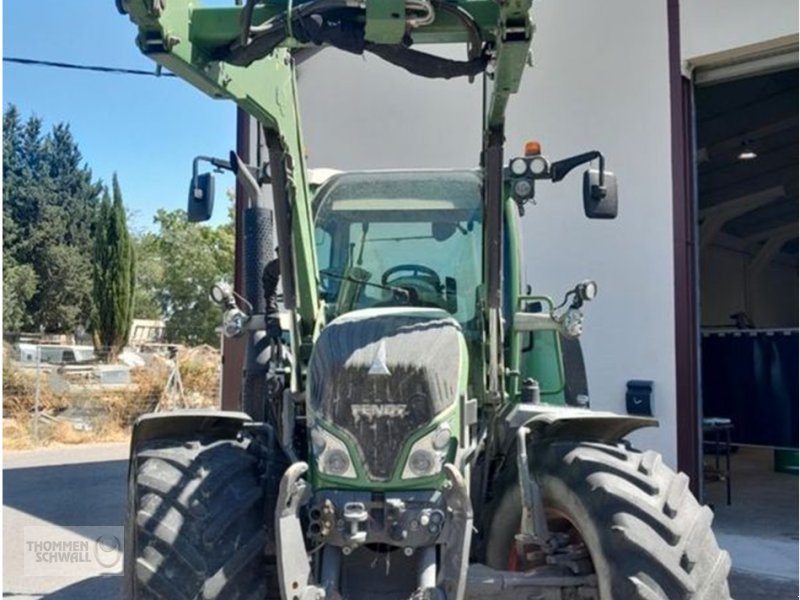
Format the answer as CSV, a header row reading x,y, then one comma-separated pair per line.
x,y
414,422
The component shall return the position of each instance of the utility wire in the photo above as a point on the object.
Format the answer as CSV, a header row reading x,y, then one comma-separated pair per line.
x,y
96,68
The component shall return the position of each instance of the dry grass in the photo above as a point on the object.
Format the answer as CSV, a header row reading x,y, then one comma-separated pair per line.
x,y
16,436
200,374
107,431
19,435
19,390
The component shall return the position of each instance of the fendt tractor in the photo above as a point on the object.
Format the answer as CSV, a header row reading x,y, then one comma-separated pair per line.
x,y
414,422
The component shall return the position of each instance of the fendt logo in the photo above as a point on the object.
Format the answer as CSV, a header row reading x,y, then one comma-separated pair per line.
x,y
377,411
379,366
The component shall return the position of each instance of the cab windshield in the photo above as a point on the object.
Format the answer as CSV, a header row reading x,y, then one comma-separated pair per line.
x,y
401,239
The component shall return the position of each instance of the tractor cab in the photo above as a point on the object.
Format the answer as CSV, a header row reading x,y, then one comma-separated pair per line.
x,y
401,238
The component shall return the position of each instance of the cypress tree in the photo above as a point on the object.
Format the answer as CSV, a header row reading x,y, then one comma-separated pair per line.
x,y
113,275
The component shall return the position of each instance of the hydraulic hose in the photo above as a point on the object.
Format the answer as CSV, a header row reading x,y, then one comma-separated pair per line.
x,y
310,24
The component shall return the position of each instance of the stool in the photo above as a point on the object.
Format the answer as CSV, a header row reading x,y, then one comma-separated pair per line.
x,y
719,427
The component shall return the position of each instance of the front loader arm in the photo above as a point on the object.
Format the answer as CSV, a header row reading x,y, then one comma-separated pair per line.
x,y
222,52
266,89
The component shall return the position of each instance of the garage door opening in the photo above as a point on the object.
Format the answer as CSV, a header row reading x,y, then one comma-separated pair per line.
x,y
746,133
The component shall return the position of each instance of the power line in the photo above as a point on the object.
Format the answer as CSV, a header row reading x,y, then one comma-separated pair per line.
x,y
77,67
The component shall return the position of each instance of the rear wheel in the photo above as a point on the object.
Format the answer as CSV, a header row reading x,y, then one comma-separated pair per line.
x,y
646,536
196,523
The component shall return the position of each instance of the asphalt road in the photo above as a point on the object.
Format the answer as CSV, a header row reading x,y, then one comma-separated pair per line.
x,y
67,488
63,488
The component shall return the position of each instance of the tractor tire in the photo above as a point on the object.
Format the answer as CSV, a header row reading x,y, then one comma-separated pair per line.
x,y
646,534
195,527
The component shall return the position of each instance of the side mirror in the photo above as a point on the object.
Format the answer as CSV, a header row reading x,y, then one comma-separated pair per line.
x,y
599,198
201,198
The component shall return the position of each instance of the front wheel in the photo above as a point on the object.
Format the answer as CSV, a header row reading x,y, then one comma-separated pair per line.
x,y
195,528
646,535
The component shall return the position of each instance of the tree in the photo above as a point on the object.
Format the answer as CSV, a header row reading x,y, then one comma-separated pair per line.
x,y
112,274
19,285
192,258
65,269
148,290
48,202
19,281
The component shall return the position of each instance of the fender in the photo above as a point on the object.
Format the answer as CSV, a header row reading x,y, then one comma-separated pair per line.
x,y
553,423
225,424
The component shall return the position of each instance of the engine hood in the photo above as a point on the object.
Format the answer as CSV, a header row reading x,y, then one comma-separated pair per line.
x,y
382,374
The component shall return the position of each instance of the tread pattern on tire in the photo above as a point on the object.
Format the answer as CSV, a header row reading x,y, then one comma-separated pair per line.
x,y
656,540
197,517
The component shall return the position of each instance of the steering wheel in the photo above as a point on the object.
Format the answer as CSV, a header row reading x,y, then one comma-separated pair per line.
x,y
424,274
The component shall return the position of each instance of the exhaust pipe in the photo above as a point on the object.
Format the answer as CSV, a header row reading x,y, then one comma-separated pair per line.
x,y
258,249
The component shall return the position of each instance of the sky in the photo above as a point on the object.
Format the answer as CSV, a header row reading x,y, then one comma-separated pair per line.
x,y
146,129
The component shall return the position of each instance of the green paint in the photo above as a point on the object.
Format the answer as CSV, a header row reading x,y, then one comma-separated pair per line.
x,y
544,362
512,283
215,27
386,22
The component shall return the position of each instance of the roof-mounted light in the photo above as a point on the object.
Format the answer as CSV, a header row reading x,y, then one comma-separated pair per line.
x,y
533,148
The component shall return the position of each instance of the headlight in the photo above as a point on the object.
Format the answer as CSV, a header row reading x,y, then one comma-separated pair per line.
x,y
422,462
331,454
233,322
539,166
587,290
572,322
523,189
336,462
428,454
518,166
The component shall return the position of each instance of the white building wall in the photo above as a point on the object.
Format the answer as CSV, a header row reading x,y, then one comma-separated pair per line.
x,y
601,82
710,26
